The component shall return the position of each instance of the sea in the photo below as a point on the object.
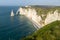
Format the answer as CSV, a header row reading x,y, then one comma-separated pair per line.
x,y
16,27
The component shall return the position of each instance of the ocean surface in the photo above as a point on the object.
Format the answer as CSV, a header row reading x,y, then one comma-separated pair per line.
x,y
16,27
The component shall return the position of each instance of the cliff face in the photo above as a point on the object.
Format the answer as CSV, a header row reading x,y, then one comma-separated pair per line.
x,y
52,17
32,14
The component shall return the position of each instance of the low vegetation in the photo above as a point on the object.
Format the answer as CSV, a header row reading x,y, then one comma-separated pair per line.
x,y
48,32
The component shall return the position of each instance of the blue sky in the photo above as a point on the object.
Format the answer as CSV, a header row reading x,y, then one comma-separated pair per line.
x,y
29,2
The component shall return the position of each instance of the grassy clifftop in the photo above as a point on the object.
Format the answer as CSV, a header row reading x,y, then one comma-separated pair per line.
x,y
44,10
48,32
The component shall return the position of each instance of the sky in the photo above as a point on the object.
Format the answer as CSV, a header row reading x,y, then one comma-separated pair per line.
x,y
28,2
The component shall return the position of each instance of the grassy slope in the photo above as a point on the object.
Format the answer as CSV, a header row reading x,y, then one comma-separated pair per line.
x,y
48,32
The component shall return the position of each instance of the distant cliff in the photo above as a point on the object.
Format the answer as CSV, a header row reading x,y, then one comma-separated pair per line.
x,y
42,16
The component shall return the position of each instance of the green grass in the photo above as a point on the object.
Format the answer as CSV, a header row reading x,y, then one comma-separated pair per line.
x,y
48,32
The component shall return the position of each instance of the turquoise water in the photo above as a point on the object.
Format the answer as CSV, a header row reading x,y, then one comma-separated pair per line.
x,y
13,28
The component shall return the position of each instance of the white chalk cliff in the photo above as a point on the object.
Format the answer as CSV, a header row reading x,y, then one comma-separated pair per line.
x,y
32,14
52,17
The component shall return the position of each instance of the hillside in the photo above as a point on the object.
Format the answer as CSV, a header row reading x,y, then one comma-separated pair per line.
x,y
48,32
